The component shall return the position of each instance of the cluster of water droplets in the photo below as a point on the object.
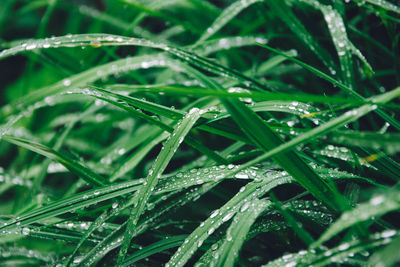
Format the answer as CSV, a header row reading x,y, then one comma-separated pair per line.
x,y
6,178
212,46
74,225
239,90
77,40
20,252
314,210
226,16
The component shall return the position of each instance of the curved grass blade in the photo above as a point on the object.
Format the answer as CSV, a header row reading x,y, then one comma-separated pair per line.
x,y
19,252
328,78
208,47
264,137
144,192
157,247
72,203
387,256
125,104
91,75
343,45
228,251
340,254
115,239
337,29
239,202
76,40
98,40
378,205
137,156
284,12
83,172
385,5
347,117
389,142
228,14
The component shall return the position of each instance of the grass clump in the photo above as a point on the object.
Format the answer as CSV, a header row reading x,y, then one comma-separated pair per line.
x,y
207,133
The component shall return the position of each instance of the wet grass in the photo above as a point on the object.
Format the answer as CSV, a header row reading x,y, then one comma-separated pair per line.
x,y
207,133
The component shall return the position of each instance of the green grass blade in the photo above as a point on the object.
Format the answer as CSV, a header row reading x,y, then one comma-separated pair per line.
x,y
264,137
228,14
154,248
385,5
378,205
347,117
228,251
340,254
337,29
144,192
208,47
137,156
389,142
388,255
218,217
328,78
284,12
83,172
115,239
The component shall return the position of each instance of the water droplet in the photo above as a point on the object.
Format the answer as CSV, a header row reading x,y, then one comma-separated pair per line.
x,y
344,246
227,216
26,231
30,46
67,82
377,200
388,233
210,231
241,176
215,213
245,206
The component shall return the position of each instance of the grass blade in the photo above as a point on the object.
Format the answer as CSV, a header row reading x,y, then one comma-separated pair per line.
x,y
227,15
83,172
228,251
151,181
377,206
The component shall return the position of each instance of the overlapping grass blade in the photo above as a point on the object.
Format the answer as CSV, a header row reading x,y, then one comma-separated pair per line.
x,y
328,78
75,167
340,254
378,205
125,104
144,192
386,256
347,117
236,92
154,248
28,256
263,136
207,47
115,239
228,251
389,142
284,12
240,201
385,5
228,14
